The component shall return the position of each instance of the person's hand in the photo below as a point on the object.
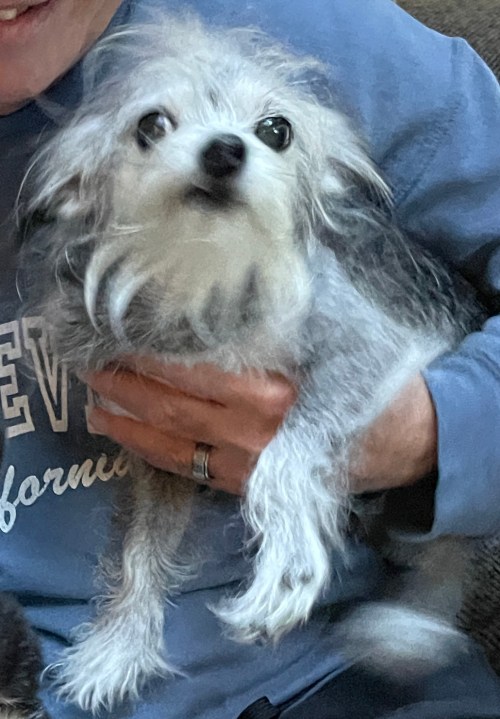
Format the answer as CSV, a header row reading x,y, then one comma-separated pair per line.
x,y
400,447
175,408
238,415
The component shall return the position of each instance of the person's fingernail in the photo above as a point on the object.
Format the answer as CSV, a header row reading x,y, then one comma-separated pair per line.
x,y
96,423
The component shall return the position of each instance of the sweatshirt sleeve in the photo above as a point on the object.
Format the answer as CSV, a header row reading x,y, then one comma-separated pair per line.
x,y
457,199
430,109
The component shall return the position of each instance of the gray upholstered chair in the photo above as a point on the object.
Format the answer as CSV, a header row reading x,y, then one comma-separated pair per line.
x,y
478,21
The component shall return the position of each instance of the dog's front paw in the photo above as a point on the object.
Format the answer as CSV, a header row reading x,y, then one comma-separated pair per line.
x,y
398,641
105,667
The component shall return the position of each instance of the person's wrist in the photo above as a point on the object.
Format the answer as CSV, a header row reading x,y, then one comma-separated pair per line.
x,y
422,426
400,447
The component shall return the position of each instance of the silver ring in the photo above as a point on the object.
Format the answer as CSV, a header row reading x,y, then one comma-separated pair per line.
x,y
199,464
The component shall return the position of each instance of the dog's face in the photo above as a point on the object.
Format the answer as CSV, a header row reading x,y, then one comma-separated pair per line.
x,y
184,200
210,175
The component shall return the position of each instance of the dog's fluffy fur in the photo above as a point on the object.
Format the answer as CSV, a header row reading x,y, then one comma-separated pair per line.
x,y
287,261
20,664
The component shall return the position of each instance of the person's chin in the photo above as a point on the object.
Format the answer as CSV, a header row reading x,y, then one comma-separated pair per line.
x,y
27,79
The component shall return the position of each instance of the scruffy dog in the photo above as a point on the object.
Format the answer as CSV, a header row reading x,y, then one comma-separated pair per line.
x,y
204,205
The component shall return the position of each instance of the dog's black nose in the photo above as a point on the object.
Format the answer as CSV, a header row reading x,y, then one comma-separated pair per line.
x,y
223,156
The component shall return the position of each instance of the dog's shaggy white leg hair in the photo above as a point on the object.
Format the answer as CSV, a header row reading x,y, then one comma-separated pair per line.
x,y
114,655
292,512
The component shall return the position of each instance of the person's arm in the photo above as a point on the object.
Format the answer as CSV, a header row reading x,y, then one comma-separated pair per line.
x,y
458,197
457,201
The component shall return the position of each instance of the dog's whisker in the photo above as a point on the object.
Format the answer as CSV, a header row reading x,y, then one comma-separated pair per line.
x,y
117,231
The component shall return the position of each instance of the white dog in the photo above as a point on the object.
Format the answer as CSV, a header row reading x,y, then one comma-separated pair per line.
x,y
203,205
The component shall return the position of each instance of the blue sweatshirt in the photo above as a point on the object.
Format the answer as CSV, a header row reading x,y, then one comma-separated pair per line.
x,y
430,111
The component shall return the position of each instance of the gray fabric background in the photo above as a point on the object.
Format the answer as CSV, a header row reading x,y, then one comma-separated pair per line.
x,y
478,21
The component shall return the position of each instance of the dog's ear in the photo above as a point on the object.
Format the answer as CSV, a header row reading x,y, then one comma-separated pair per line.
x,y
68,201
354,180
349,171
350,193
65,203
65,184
50,230
62,173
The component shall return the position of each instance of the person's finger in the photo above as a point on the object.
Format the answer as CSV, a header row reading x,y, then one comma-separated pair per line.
x,y
228,467
206,381
185,416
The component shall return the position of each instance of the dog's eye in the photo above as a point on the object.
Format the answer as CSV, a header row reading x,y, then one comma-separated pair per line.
x,y
275,132
151,128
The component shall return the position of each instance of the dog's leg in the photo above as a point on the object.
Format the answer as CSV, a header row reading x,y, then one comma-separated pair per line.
x,y
298,493
295,516
114,655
